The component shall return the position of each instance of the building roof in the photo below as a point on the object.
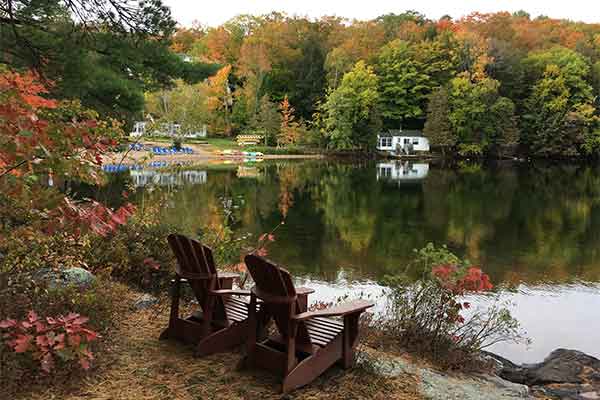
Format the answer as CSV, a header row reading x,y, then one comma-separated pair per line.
x,y
402,132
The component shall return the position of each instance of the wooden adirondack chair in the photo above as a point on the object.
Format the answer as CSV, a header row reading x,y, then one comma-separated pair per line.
x,y
223,320
307,342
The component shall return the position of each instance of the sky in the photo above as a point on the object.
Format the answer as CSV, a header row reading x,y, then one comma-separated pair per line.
x,y
214,13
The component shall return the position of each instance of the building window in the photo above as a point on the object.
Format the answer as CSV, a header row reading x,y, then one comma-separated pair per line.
x,y
385,142
385,172
406,141
415,140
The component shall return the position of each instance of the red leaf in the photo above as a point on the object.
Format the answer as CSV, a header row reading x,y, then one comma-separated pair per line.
x,y
8,323
85,363
80,320
32,316
42,340
89,334
21,343
74,340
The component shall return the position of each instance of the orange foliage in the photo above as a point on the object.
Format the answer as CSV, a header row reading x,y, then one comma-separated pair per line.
x,y
290,130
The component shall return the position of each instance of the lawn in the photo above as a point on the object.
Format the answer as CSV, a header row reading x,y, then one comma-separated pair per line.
x,y
222,143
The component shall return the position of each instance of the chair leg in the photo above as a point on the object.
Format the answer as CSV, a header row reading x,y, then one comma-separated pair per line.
x,y
174,314
223,340
251,337
311,367
350,336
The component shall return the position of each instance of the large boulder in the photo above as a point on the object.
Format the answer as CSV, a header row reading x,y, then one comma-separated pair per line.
x,y
564,374
76,276
436,385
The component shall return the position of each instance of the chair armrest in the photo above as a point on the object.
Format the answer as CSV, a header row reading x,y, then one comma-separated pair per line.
x,y
223,292
342,310
228,275
304,291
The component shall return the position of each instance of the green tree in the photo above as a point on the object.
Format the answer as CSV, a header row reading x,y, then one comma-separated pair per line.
x,y
105,53
184,104
408,74
350,113
479,116
267,120
557,122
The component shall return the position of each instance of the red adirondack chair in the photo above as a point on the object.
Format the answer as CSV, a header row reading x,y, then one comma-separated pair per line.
x,y
307,342
223,320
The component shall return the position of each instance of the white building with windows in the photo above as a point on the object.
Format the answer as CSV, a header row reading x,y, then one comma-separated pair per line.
x,y
398,142
166,129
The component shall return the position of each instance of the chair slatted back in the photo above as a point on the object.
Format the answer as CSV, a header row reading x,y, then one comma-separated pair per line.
x,y
196,264
276,289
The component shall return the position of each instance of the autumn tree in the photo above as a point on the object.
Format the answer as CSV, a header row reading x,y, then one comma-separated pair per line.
x,y
220,100
290,128
559,113
41,138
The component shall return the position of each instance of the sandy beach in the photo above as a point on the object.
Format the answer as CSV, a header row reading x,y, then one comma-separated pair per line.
x,y
202,153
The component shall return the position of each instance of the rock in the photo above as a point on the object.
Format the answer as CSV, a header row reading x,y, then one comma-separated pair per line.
x,y
564,374
145,301
439,386
590,395
79,277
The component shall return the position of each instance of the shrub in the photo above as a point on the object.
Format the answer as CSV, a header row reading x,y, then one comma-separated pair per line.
x,y
50,339
429,314
101,303
177,142
471,150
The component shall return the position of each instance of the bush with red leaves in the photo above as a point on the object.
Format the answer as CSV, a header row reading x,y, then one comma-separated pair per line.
x,y
45,340
430,314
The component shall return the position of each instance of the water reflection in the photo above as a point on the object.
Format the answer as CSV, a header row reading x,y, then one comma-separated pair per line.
x,y
407,172
154,174
145,178
528,225
522,223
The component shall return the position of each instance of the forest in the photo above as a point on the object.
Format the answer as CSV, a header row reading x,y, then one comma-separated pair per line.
x,y
477,86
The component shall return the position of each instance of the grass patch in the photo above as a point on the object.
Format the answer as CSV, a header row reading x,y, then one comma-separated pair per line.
x,y
222,144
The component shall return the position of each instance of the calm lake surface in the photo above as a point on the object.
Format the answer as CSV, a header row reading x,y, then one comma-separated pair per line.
x,y
534,228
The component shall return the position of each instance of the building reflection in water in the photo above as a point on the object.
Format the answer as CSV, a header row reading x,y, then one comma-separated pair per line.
x,y
145,176
402,171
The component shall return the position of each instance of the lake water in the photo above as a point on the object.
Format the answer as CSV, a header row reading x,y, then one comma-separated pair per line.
x,y
532,227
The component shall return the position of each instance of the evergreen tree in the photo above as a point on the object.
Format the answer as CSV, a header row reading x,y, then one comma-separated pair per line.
x,y
437,127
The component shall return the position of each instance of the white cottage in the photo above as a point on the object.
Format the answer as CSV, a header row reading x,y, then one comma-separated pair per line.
x,y
398,142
